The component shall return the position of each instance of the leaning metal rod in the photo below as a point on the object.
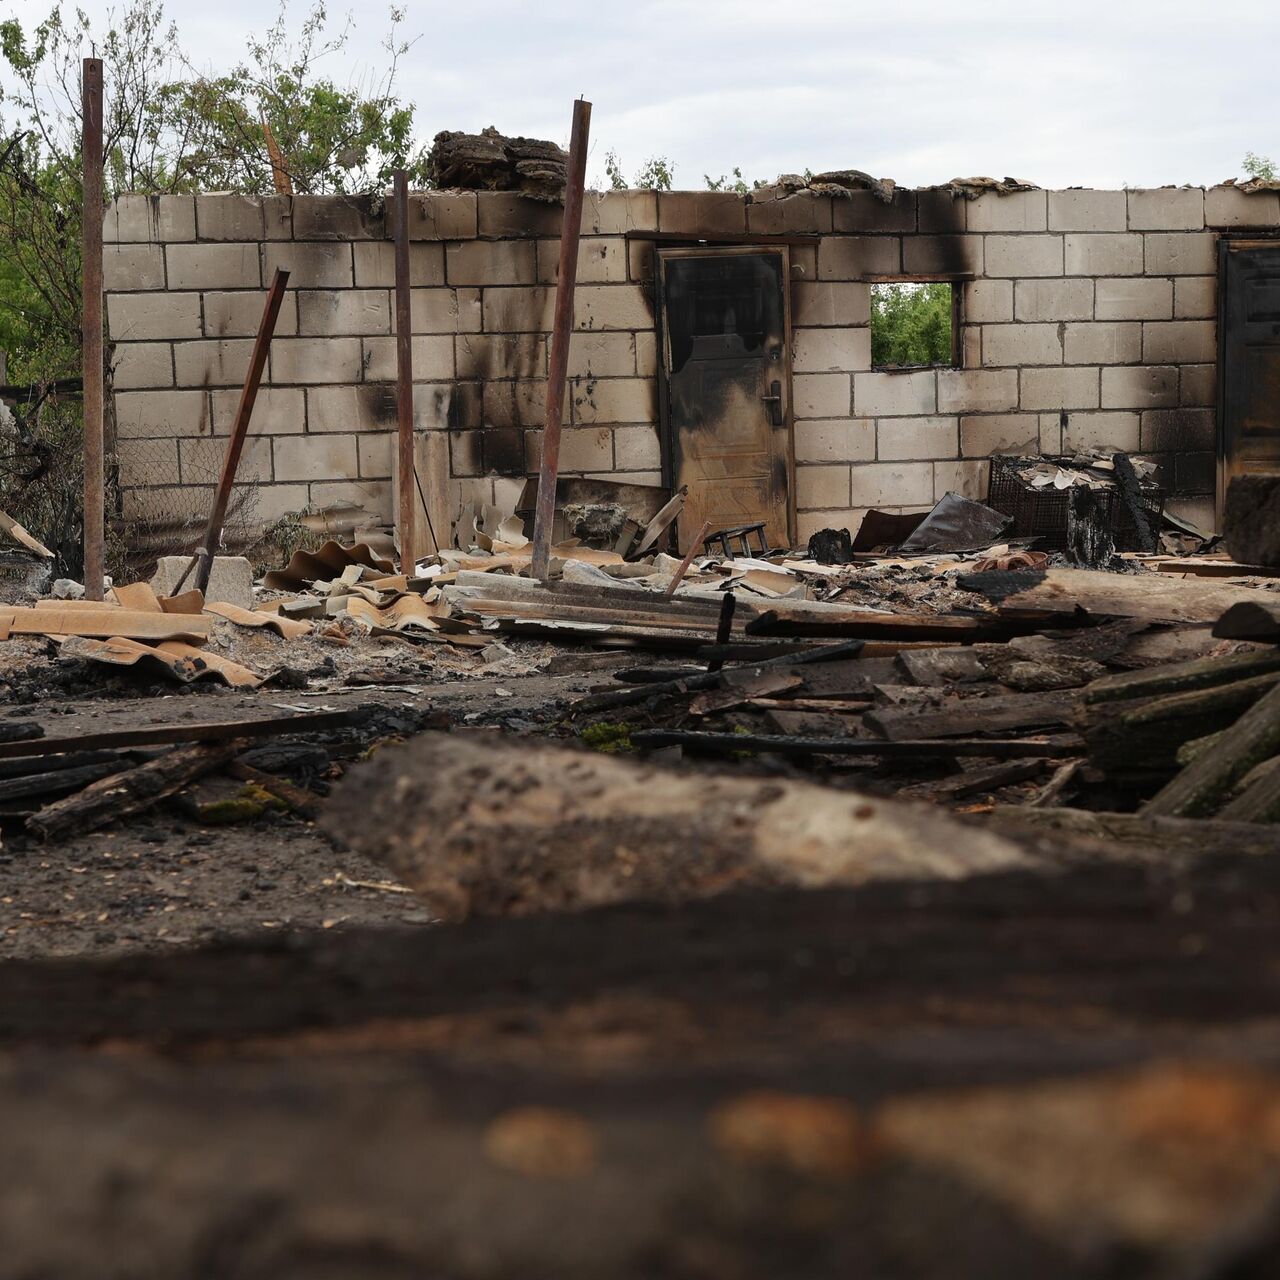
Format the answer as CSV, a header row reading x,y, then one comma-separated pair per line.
x,y
202,561
404,381
562,328
91,334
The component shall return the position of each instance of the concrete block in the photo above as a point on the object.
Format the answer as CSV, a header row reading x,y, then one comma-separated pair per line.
x,y
904,439
438,215
1004,345
226,215
272,502
804,262
142,364
310,266
338,217
938,212
1103,342
1085,210
1231,207
830,303
1012,433
702,213
611,213
230,579
877,395
1118,431
1053,300
327,313
311,457
1133,299
507,355
516,404
375,264
374,496
445,310
221,362
970,346
1103,255
487,262
822,486
801,214
1029,255
582,450
1144,387
213,266
1178,430
611,306
369,406
153,219
601,260
977,390
623,400
504,215
374,452
637,449
640,260
831,350
502,450
1051,426
1172,253
238,314
202,461
432,359
1198,385
941,255
518,310
277,214
1167,209
836,440
646,354
863,213
891,484
134,317
1017,211
141,414
149,463
967,478
309,360
1058,389
821,395
465,456
857,257
1195,297
278,411
1195,472
988,301
1180,342
127,267
601,355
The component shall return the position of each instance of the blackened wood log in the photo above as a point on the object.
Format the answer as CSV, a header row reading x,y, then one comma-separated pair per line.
x,y
1258,798
1251,520
1181,677
123,794
490,161
505,827
20,731
1047,748
56,781
960,717
1131,499
1199,789
1193,837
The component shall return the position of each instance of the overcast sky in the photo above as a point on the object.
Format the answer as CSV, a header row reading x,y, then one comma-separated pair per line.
x,y
1138,92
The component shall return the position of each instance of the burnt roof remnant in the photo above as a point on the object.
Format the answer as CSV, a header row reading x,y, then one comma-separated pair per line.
x,y
490,161
840,183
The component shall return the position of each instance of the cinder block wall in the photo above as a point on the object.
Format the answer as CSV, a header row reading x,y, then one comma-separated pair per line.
x,y
1090,320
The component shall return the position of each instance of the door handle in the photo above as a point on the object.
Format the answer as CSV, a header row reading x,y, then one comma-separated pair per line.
x,y
774,401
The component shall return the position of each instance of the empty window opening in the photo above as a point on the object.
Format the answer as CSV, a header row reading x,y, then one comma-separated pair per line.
x,y
913,325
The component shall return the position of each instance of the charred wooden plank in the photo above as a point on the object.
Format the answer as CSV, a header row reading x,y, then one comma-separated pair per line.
x,y
1047,748
960,717
1181,677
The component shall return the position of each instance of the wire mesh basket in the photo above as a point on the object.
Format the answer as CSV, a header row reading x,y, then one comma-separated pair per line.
x,y
1042,513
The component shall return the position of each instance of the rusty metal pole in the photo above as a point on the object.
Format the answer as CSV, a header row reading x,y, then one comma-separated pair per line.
x,y
203,558
91,336
549,470
405,474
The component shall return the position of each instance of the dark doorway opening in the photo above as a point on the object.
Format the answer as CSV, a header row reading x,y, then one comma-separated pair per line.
x,y
726,393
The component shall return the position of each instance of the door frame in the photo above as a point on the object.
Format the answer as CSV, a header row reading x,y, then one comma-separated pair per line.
x,y
695,250
1229,242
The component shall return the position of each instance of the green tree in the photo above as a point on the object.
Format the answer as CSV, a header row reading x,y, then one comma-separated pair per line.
x,y
910,324
656,174
1259,167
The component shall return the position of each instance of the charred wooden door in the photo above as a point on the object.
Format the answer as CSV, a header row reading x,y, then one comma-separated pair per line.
x,y
1249,316
727,393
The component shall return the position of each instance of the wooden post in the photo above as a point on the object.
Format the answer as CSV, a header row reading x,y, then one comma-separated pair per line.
x,y
570,230
202,561
91,342
406,494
